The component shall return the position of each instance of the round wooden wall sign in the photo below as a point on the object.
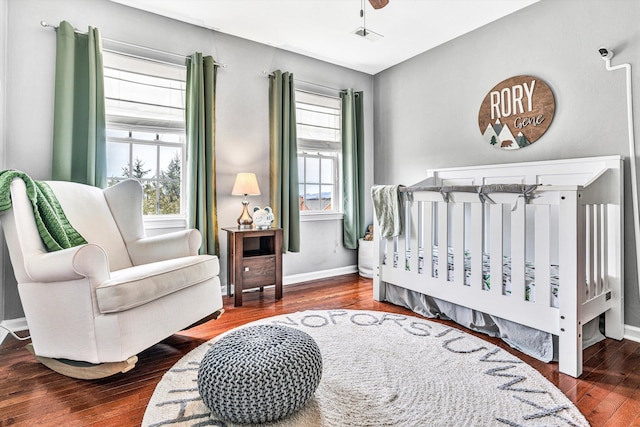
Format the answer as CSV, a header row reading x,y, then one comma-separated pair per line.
x,y
516,112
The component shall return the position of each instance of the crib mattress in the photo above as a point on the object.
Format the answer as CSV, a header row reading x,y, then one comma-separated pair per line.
x,y
486,275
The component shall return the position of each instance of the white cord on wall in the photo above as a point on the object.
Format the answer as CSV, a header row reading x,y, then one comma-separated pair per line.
x,y
607,55
14,335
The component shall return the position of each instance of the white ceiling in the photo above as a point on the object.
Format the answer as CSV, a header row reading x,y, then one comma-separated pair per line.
x,y
323,29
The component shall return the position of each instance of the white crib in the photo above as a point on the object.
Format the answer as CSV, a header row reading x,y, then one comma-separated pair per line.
x,y
572,224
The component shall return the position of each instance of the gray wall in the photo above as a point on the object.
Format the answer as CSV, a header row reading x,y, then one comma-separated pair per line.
x,y
242,136
426,109
3,90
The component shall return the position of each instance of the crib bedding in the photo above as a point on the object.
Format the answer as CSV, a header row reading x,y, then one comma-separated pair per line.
x,y
486,275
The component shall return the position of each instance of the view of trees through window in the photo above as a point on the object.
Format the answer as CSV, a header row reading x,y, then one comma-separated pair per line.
x,y
161,193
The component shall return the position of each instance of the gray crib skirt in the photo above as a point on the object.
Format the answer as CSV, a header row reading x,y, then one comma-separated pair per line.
x,y
535,343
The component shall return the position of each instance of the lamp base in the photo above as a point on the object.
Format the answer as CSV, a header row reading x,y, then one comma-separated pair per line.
x,y
244,220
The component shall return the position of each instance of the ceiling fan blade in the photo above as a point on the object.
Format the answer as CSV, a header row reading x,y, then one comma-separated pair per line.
x,y
379,4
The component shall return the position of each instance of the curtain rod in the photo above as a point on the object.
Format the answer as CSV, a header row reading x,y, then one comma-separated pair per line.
x,y
164,52
268,74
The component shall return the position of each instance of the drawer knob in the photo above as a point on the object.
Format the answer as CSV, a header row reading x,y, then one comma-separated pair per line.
x,y
246,269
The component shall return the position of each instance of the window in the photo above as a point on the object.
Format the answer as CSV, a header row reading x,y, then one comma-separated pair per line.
x,y
319,151
145,103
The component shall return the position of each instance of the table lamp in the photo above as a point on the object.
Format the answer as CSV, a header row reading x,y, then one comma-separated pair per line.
x,y
246,185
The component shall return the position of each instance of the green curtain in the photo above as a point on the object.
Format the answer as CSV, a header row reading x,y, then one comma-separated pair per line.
x,y
79,137
353,194
201,168
283,193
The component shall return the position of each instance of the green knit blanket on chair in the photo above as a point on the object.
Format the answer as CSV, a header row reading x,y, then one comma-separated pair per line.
x,y
54,227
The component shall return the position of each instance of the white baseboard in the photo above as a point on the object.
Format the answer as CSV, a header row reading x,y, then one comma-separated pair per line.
x,y
15,325
632,333
315,275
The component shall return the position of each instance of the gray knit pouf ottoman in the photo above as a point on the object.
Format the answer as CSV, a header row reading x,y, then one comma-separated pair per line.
x,y
259,373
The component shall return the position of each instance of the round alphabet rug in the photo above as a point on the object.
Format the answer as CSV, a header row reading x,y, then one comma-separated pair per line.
x,y
386,369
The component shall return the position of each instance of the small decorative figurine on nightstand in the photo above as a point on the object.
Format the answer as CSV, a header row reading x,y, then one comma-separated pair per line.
x,y
262,218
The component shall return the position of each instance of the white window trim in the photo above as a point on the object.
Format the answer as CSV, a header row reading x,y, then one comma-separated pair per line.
x,y
177,222
158,222
307,216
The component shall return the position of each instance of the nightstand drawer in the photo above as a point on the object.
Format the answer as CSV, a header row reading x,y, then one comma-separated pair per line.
x,y
258,271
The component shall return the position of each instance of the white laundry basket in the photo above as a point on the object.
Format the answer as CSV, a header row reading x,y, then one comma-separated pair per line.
x,y
365,258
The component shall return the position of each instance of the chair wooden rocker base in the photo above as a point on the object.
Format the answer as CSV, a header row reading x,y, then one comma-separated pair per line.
x,y
84,370
91,371
213,316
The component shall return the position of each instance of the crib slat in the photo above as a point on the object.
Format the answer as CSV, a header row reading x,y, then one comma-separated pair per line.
x,y
590,249
443,240
415,235
395,254
428,239
476,244
518,231
542,256
597,285
458,243
605,253
408,232
420,238
614,258
597,252
496,250
384,251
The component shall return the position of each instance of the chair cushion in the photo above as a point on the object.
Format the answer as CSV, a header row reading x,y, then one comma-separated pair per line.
x,y
135,286
89,213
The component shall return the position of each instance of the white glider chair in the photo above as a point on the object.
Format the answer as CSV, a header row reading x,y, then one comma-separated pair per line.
x,y
92,308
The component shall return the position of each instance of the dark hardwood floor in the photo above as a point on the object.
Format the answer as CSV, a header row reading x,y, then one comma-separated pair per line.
x,y
608,392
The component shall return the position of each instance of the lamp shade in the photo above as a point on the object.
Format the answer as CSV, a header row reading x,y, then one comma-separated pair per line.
x,y
246,184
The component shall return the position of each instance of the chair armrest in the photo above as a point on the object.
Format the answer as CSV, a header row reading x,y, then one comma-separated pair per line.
x,y
69,264
165,246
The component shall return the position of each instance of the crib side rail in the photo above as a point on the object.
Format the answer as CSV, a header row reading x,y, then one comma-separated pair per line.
x,y
464,225
603,204
590,273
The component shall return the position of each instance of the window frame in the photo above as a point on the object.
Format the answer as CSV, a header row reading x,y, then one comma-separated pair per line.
x,y
158,144
313,148
158,126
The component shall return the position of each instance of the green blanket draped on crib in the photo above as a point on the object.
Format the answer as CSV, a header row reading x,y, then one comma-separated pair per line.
x,y
54,227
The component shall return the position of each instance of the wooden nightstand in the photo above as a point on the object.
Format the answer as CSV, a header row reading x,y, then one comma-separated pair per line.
x,y
254,260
